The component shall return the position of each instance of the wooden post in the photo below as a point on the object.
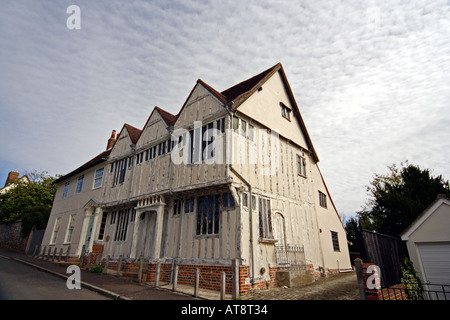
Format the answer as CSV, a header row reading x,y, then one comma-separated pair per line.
x,y
222,285
98,258
105,269
235,287
42,254
157,273
118,265
54,254
175,278
82,257
49,253
67,254
60,254
141,262
359,277
197,282
37,251
88,264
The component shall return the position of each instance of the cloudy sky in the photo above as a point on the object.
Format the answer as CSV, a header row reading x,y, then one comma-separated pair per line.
x,y
372,78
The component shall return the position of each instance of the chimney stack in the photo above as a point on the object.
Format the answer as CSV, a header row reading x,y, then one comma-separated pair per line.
x,y
13,175
111,140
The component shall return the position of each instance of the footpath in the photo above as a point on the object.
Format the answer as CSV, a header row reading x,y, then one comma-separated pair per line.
x,y
109,285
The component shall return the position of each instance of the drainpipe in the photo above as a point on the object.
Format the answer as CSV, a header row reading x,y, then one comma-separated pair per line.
x,y
252,254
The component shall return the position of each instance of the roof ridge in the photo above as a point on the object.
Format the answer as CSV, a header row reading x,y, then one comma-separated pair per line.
x,y
243,87
133,132
168,117
216,93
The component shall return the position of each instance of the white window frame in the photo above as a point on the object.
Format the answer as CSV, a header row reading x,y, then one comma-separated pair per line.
x,y
70,228
98,178
56,227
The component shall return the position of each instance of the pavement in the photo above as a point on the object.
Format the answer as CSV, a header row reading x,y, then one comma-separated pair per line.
x,y
112,286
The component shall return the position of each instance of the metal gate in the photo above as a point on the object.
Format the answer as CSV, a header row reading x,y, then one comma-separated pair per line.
x,y
35,241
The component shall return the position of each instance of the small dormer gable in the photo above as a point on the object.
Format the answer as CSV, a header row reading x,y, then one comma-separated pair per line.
x,y
156,128
202,104
127,137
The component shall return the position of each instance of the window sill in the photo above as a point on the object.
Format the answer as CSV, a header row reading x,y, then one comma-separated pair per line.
x,y
267,240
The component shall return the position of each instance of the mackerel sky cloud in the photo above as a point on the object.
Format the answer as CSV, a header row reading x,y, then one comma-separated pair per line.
x,y
371,78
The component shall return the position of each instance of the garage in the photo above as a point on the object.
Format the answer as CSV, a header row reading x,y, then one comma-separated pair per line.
x,y
435,264
428,242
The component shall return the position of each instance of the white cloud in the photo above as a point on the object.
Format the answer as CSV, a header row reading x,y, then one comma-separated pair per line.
x,y
371,78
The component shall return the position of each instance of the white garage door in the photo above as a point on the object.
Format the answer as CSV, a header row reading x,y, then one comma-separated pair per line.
x,y
435,258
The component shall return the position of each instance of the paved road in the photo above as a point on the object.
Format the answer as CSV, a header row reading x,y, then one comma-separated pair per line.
x,y
21,282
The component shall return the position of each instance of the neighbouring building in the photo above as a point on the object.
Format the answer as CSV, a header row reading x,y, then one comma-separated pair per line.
x,y
11,233
13,176
428,242
234,175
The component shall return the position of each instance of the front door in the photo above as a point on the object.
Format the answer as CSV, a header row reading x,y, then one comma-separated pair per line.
x,y
89,233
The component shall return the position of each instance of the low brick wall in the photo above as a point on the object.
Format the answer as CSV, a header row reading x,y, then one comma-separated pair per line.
x,y
395,292
209,275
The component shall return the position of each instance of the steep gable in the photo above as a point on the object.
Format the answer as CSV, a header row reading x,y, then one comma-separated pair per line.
x,y
127,136
260,98
202,102
156,126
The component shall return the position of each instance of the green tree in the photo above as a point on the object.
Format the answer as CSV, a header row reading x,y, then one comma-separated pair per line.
x,y
40,191
35,217
397,198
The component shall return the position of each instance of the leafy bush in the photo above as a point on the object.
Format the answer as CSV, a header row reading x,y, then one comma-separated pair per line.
x,y
413,286
97,269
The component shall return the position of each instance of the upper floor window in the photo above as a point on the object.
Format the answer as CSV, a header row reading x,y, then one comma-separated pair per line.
x,y
79,184
301,166
98,178
120,169
322,199
66,190
285,111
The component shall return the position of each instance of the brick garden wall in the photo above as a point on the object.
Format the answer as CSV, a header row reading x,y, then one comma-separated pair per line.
x,y
396,292
11,236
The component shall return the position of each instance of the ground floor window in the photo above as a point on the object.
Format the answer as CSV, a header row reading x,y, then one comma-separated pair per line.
x,y
335,240
208,214
55,230
70,228
121,216
101,233
265,219
208,209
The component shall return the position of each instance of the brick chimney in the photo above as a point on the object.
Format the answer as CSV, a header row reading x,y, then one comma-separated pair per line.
x,y
111,140
13,175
